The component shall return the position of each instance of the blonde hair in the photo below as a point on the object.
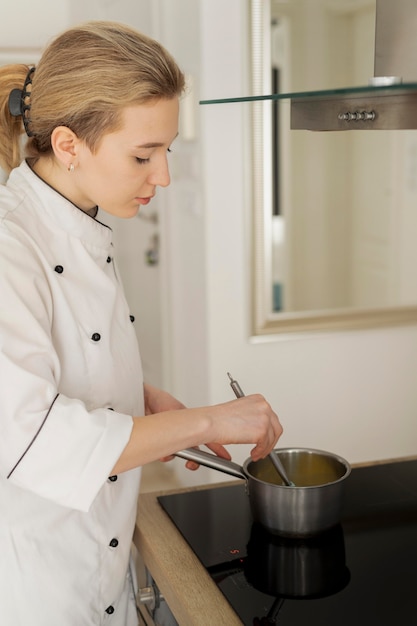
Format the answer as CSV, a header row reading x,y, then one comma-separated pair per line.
x,y
83,80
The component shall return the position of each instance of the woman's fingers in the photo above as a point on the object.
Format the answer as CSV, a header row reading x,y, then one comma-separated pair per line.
x,y
246,420
249,419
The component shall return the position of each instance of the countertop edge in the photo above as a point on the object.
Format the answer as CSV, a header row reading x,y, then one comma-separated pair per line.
x,y
186,586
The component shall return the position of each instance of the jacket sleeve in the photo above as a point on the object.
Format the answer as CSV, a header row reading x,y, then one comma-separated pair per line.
x,y
50,444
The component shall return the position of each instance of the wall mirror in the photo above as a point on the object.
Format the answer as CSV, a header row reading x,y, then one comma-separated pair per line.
x,y
334,214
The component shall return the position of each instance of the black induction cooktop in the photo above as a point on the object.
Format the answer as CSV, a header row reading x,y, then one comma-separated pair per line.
x,y
362,572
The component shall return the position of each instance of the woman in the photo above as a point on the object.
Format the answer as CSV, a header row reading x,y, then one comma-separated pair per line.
x,y
76,419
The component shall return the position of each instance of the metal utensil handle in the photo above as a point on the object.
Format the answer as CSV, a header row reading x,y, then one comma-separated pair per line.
x,y
280,468
276,461
212,461
235,386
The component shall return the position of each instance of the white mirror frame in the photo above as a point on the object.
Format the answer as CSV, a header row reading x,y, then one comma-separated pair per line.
x,y
265,321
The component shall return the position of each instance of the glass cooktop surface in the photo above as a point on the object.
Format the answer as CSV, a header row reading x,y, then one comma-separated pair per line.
x,y
362,572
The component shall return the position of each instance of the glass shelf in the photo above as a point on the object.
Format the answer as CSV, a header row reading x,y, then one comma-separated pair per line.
x,y
371,107
366,90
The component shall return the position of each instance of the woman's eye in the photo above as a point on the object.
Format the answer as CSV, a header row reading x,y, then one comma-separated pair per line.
x,y
141,161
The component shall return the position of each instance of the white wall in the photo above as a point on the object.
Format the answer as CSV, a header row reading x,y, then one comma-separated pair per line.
x,y
352,393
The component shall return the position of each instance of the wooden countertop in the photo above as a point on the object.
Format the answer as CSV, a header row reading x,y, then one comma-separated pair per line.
x,y
190,592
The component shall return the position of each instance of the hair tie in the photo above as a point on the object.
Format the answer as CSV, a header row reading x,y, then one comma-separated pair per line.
x,y
19,103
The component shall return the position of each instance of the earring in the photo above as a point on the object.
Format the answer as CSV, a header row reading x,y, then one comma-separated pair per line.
x,y
71,168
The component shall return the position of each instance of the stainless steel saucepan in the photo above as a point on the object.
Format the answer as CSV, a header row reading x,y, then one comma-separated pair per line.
x,y
308,508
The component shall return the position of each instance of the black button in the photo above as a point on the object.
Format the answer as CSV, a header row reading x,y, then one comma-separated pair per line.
x,y
59,269
109,259
96,336
110,610
113,479
114,543
132,318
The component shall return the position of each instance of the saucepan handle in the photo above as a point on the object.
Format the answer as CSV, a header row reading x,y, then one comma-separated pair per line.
x,y
212,461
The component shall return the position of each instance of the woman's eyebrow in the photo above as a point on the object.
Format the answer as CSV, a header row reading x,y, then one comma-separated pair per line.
x,y
150,145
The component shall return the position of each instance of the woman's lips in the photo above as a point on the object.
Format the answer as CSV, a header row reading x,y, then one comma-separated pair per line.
x,y
143,201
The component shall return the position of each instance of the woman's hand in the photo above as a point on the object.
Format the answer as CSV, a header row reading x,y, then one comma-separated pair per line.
x,y
157,401
249,419
168,427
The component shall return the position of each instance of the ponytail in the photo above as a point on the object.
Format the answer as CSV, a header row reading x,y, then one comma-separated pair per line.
x,y
11,127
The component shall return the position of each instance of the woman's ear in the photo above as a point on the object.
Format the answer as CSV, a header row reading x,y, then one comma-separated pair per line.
x,y
65,145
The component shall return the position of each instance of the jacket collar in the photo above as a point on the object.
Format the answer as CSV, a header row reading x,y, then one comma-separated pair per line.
x,y
63,213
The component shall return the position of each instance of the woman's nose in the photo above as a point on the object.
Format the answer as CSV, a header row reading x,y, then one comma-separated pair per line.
x,y
160,175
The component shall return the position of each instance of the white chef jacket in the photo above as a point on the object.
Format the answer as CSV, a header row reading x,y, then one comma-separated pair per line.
x,y
70,381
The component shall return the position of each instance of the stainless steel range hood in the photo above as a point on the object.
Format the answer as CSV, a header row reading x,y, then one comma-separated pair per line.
x,y
390,100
